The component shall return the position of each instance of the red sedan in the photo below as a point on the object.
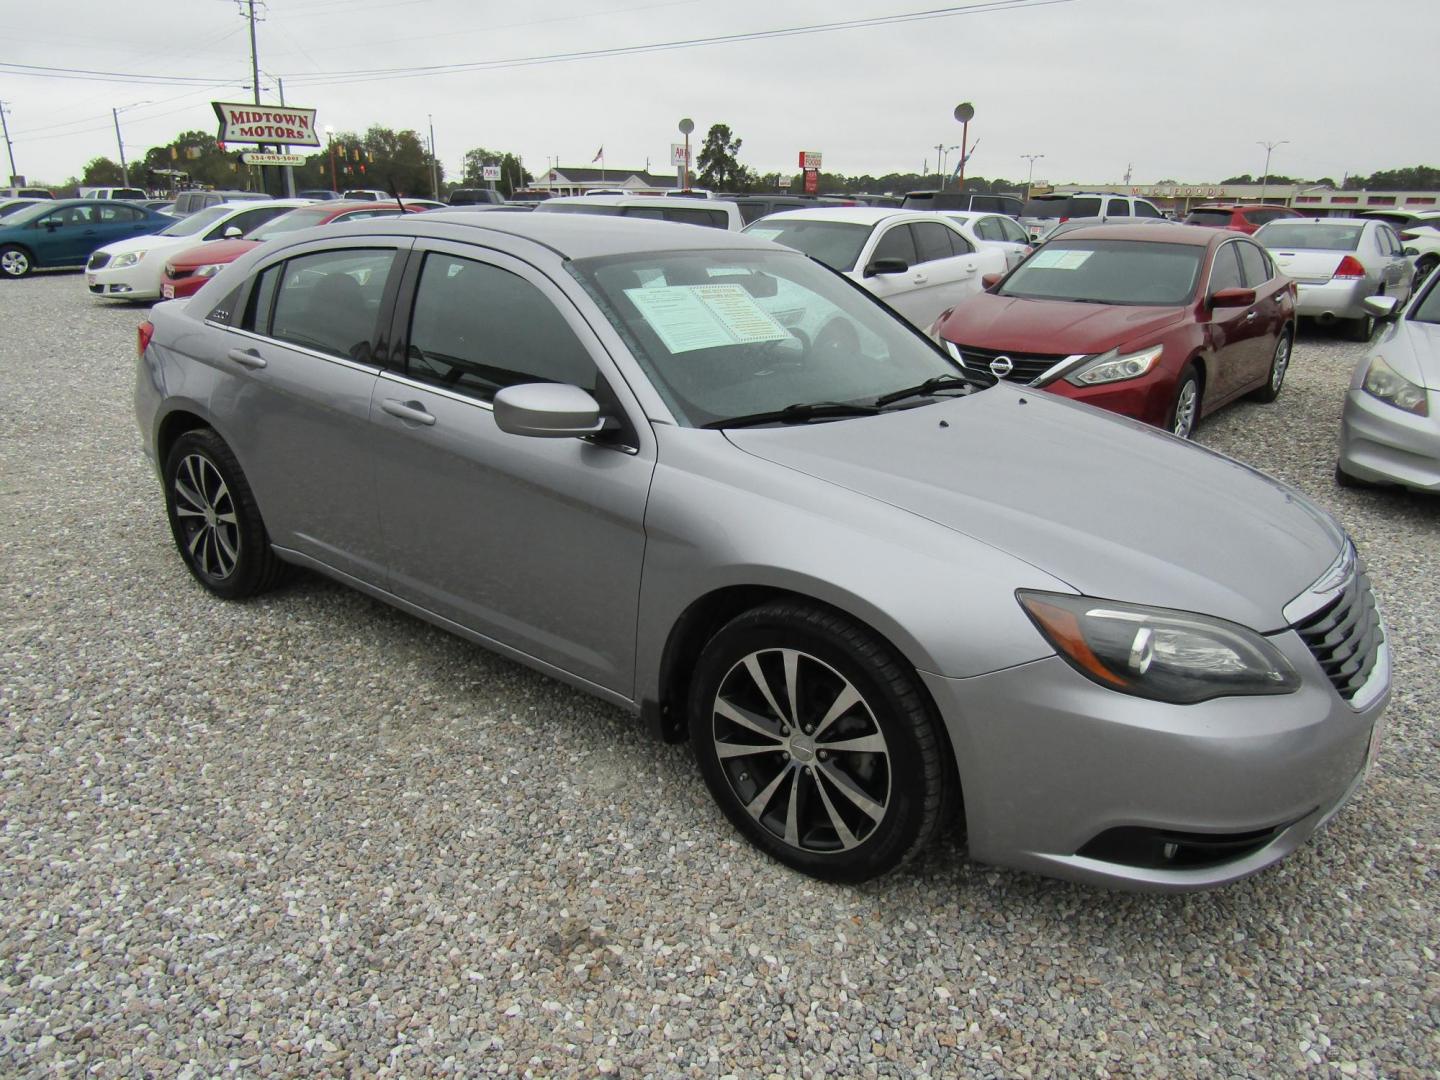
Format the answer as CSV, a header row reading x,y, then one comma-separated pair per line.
x,y
1164,323
186,272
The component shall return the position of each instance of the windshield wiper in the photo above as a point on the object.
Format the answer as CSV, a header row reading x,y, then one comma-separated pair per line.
x,y
929,386
798,414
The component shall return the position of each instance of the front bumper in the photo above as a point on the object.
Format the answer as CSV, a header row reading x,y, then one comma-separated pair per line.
x,y
1147,399
134,282
1052,766
180,288
1340,299
1385,445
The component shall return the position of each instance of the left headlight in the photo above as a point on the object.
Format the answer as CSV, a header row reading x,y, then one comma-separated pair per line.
x,y
130,258
1384,382
1155,653
209,269
1113,366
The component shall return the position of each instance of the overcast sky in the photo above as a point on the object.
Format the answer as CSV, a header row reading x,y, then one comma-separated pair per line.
x,y
1180,90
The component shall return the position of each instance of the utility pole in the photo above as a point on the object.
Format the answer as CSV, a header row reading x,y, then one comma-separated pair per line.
x,y
434,171
255,73
1030,179
5,126
1269,146
120,143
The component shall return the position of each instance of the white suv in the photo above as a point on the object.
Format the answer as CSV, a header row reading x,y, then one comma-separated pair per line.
x,y
1043,212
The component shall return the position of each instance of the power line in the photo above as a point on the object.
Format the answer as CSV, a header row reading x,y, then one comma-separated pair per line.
x,y
42,71
330,78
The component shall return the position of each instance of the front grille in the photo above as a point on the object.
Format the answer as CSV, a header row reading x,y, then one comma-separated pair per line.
x,y
1345,635
1027,366
175,273
97,260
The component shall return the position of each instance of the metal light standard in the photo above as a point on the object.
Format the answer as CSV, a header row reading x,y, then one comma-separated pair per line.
x,y
434,166
964,112
686,127
330,144
1269,146
119,142
1030,179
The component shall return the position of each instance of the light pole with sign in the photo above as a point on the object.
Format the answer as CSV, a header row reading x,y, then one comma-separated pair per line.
x,y
1269,148
964,112
686,127
1030,179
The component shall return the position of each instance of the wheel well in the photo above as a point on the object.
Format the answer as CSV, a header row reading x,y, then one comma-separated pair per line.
x,y
171,428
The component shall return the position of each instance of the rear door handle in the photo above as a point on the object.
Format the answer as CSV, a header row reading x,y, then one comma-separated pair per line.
x,y
246,358
408,410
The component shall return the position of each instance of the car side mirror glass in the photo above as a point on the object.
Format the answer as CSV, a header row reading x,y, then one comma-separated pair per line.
x,y
1383,306
989,281
547,411
1235,297
232,232
1410,251
886,266
50,224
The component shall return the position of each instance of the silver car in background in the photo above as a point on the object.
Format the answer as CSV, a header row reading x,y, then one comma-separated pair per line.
x,y
1336,263
881,599
1390,430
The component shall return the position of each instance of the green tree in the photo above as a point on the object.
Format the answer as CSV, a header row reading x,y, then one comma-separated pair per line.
x,y
512,174
197,154
101,172
398,159
720,168
1412,178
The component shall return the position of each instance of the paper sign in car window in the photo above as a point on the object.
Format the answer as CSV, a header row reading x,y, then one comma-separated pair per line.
x,y
690,317
1059,259
764,234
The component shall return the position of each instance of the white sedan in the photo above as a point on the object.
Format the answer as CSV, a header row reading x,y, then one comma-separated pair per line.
x,y
995,231
919,263
131,269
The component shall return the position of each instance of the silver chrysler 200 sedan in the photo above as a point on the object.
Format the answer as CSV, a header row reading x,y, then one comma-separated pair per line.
x,y
703,477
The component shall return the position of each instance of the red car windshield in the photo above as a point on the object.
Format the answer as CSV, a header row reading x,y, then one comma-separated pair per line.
x,y
1215,218
1108,272
303,218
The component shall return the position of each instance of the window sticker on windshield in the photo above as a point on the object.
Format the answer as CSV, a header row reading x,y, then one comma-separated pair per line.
x,y
1059,259
690,317
764,234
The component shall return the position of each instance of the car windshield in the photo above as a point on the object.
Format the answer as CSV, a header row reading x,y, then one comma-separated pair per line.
x,y
196,222
12,209
303,218
1061,206
837,244
729,334
1428,309
1310,236
1108,272
27,214
1208,217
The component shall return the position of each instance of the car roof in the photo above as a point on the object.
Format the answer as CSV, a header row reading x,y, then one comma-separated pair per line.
x,y
1162,232
571,236
857,215
632,200
1330,221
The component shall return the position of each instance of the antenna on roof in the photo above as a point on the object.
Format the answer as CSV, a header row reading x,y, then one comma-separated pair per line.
x,y
395,192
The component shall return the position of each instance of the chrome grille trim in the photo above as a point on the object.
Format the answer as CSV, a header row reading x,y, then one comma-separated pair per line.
x,y
1346,635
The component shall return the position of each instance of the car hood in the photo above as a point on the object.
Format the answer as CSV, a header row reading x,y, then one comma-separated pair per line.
x,y
151,242
1413,349
988,321
1117,510
216,251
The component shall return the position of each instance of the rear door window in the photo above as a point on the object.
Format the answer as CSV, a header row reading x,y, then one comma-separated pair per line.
x,y
932,241
1225,273
329,301
1255,264
988,228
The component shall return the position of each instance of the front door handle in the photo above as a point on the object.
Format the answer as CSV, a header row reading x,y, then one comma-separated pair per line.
x,y
408,410
919,279
1250,315
246,358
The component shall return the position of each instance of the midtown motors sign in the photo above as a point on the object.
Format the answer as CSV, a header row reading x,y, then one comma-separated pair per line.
x,y
244,123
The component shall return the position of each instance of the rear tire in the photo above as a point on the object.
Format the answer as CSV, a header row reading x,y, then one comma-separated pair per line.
x,y
214,518
818,742
15,261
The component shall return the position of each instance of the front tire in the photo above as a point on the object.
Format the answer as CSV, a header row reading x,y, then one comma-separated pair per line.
x,y
818,743
1279,365
1185,409
15,261
1361,329
214,518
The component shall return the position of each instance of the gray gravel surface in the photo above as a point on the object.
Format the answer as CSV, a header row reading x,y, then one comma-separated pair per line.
x,y
309,835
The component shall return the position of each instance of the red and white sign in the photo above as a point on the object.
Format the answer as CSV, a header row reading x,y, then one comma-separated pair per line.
x,y
809,159
812,182
243,123
677,154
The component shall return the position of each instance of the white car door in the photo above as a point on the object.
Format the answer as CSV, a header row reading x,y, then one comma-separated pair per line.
x,y
952,267
993,234
892,242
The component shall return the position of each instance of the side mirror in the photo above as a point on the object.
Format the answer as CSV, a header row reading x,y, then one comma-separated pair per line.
x,y
1235,297
51,225
232,232
886,266
1383,306
1410,251
547,411
989,281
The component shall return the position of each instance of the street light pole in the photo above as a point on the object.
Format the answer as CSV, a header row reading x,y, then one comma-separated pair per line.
x,y
9,149
119,142
1269,146
1030,179
434,172
330,144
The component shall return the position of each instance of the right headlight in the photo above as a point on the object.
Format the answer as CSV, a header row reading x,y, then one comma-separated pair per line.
x,y
209,270
1384,382
1156,653
1114,367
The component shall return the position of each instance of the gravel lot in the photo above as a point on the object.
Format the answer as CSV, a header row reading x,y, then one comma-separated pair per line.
x,y
309,835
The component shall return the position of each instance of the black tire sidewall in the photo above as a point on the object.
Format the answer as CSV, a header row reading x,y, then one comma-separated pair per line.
x,y
252,562
896,713
29,262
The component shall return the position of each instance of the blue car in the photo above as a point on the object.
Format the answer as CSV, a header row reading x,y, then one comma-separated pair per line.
x,y
64,232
